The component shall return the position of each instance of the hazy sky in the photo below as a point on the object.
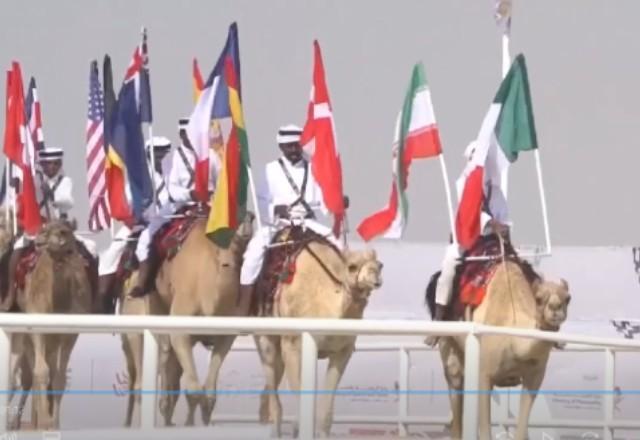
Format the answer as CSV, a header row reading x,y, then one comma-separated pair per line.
x,y
582,55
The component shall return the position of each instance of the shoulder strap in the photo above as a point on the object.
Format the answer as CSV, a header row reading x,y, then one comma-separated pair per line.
x,y
187,165
55,186
299,192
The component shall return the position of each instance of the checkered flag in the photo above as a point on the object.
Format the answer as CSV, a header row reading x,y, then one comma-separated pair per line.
x,y
627,328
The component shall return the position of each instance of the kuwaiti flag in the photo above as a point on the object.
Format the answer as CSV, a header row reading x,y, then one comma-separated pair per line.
x,y
319,140
507,129
416,137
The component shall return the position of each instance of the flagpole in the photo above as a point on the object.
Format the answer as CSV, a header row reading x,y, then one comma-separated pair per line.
x,y
543,202
447,190
14,202
506,64
7,177
254,197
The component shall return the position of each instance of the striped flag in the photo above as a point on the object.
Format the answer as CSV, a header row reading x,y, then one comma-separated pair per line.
x,y
99,217
34,116
507,130
229,204
416,137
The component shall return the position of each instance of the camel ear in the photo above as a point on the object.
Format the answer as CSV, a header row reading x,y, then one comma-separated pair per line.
x,y
565,284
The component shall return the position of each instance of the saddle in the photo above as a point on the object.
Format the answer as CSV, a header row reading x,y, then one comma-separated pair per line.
x,y
279,265
26,264
472,277
168,240
128,261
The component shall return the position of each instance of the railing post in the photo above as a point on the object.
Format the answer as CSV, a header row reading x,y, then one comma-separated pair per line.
x,y
5,378
609,389
149,381
471,385
308,386
403,391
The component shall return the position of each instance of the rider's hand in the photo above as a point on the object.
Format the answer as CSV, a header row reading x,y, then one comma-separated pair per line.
x,y
194,195
281,211
345,202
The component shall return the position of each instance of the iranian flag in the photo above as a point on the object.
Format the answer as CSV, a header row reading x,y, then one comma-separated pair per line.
x,y
416,137
507,129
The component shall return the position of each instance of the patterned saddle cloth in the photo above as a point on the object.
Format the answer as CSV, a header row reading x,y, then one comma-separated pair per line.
x,y
280,265
472,277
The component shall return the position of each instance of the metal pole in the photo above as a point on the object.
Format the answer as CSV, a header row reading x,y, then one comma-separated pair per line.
x,y
543,202
447,189
5,380
7,180
254,197
609,396
152,166
149,377
471,385
506,64
308,386
403,387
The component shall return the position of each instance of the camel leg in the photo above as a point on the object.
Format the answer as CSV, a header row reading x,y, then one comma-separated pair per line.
x,y
273,366
41,381
183,348
59,384
337,364
170,372
132,372
530,386
23,367
292,366
453,362
220,350
484,407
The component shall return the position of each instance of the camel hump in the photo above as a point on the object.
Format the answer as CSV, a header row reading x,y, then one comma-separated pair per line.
x,y
280,264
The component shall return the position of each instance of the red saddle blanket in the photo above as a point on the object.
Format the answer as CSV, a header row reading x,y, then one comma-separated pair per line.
x,y
25,265
169,238
280,265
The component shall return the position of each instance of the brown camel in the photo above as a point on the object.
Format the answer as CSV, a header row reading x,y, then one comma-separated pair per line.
x,y
59,283
203,279
510,301
326,284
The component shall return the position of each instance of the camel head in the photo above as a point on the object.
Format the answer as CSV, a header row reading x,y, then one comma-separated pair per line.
x,y
552,301
242,235
364,272
56,238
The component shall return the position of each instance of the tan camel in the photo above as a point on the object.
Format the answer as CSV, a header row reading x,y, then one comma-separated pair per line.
x,y
338,287
511,301
202,279
58,284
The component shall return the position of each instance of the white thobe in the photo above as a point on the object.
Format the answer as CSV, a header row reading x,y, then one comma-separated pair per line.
x,y
277,190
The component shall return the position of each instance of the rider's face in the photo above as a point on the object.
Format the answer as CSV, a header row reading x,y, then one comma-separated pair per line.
x,y
292,151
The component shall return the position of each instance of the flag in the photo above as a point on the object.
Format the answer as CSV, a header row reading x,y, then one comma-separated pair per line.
x,y
34,116
416,137
198,82
507,129
319,141
99,217
127,137
115,176
229,204
19,149
144,86
502,14
212,103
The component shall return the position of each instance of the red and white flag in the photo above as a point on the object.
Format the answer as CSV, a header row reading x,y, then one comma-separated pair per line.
x,y
99,217
319,141
18,147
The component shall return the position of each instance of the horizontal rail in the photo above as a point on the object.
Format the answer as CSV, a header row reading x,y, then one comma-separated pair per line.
x,y
198,325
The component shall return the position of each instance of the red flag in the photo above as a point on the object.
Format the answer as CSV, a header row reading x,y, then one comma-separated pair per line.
x,y
318,137
19,150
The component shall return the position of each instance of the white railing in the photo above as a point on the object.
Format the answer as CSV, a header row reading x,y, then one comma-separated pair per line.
x,y
150,325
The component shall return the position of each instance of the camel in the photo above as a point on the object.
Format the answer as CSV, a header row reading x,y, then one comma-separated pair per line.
x,y
326,284
59,283
511,301
202,279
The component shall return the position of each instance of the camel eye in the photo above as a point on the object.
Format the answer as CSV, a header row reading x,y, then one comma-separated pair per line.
x,y
352,267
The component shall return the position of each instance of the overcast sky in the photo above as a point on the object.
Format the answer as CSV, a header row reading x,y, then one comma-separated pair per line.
x,y
583,59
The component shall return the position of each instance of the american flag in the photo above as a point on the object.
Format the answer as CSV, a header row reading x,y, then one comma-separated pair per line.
x,y
99,217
